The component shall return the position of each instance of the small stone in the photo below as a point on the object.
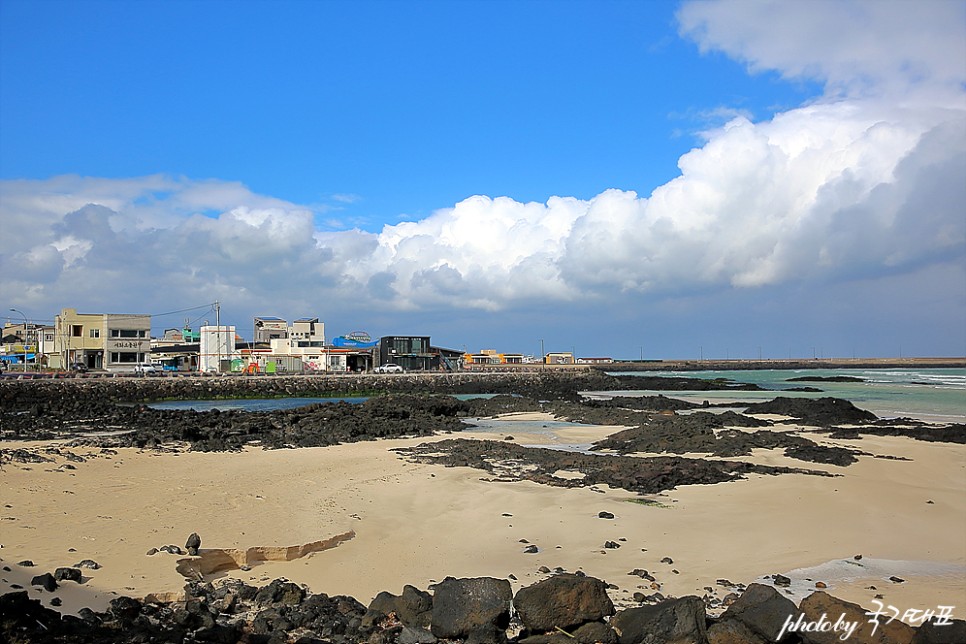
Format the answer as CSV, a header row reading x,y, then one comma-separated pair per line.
x,y
55,601
611,544
45,580
543,569
896,580
605,515
88,563
193,543
151,552
26,563
857,557
821,584
667,560
531,549
782,580
68,574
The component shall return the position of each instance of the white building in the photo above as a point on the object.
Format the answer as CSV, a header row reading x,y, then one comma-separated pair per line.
x,y
217,348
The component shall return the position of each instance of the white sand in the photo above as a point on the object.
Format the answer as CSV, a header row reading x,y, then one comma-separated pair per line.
x,y
415,523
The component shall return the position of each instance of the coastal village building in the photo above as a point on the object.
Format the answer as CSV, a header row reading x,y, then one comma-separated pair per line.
x,y
415,353
109,341
490,357
304,343
268,328
216,349
26,341
594,360
560,357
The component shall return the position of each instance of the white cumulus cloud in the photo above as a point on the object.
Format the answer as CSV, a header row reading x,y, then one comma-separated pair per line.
x,y
868,179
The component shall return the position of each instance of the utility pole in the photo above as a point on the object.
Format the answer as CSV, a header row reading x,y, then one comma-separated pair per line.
x,y
218,336
543,355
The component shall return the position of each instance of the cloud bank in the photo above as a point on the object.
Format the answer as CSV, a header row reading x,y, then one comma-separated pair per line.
x,y
866,180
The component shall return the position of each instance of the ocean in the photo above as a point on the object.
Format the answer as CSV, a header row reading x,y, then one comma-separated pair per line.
x,y
934,395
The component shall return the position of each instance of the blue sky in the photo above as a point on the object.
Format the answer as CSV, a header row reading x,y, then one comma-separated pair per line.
x,y
694,178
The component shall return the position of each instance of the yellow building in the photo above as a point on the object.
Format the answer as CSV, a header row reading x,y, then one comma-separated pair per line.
x,y
110,341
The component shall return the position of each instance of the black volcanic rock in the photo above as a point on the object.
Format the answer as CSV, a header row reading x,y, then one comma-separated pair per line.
x,y
821,412
673,620
763,610
565,601
45,581
825,379
641,475
477,608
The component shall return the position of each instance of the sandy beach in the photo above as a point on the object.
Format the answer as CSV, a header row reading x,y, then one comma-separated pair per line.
x,y
407,523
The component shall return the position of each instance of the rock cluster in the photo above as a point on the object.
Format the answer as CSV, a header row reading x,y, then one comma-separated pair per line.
x,y
510,461
562,609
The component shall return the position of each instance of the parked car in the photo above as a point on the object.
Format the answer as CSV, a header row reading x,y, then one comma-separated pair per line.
x,y
389,368
79,367
146,369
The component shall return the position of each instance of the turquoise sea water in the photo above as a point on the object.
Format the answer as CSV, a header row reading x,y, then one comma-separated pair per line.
x,y
929,394
937,395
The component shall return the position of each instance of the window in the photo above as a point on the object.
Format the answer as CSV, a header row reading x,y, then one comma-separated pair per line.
x,y
128,333
123,357
94,333
77,330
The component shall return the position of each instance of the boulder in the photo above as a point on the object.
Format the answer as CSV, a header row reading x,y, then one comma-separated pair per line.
x,y
821,603
125,609
413,608
594,632
281,592
563,601
951,633
674,621
477,609
731,631
69,574
193,543
45,580
763,610
415,635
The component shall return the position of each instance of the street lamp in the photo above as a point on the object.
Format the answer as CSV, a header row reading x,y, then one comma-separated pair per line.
x,y
24,338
